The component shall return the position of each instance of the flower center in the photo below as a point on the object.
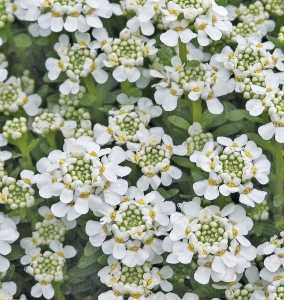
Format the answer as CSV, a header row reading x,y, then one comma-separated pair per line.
x,y
81,170
280,293
278,103
197,142
131,218
47,232
9,95
232,164
151,156
47,266
244,29
194,4
133,276
17,195
77,58
210,233
128,127
192,73
244,293
247,58
127,49
15,128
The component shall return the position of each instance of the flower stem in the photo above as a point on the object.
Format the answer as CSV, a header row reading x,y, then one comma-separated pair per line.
x,y
196,111
23,145
278,184
94,100
58,294
182,52
50,138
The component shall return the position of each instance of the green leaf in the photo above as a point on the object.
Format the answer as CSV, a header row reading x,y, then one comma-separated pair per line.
x,y
179,122
167,194
165,54
86,261
183,162
22,40
236,115
89,250
234,128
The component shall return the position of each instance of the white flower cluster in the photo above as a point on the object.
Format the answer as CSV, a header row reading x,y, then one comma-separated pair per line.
x,y
14,95
18,193
253,21
133,282
131,230
8,235
68,117
46,267
126,124
45,255
197,138
232,166
256,73
194,80
80,174
149,148
182,20
76,118
153,155
69,15
126,55
48,230
266,283
125,173
216,237
76,60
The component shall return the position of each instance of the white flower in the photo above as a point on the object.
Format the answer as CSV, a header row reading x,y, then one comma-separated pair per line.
x,y
178,32
8,290
8,235
134,281
125,123
212,235
143,16
130,230
42,290
76,60
13,96
126,55
273,251
213,25
153,154
232,165
274,128
79,174
193,79
71,16
46,267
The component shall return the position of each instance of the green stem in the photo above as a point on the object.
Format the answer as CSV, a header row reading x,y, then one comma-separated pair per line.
x,y
196,106
278,184
182,51
51,140
196,111
58,293
90,85
23,145
94,99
